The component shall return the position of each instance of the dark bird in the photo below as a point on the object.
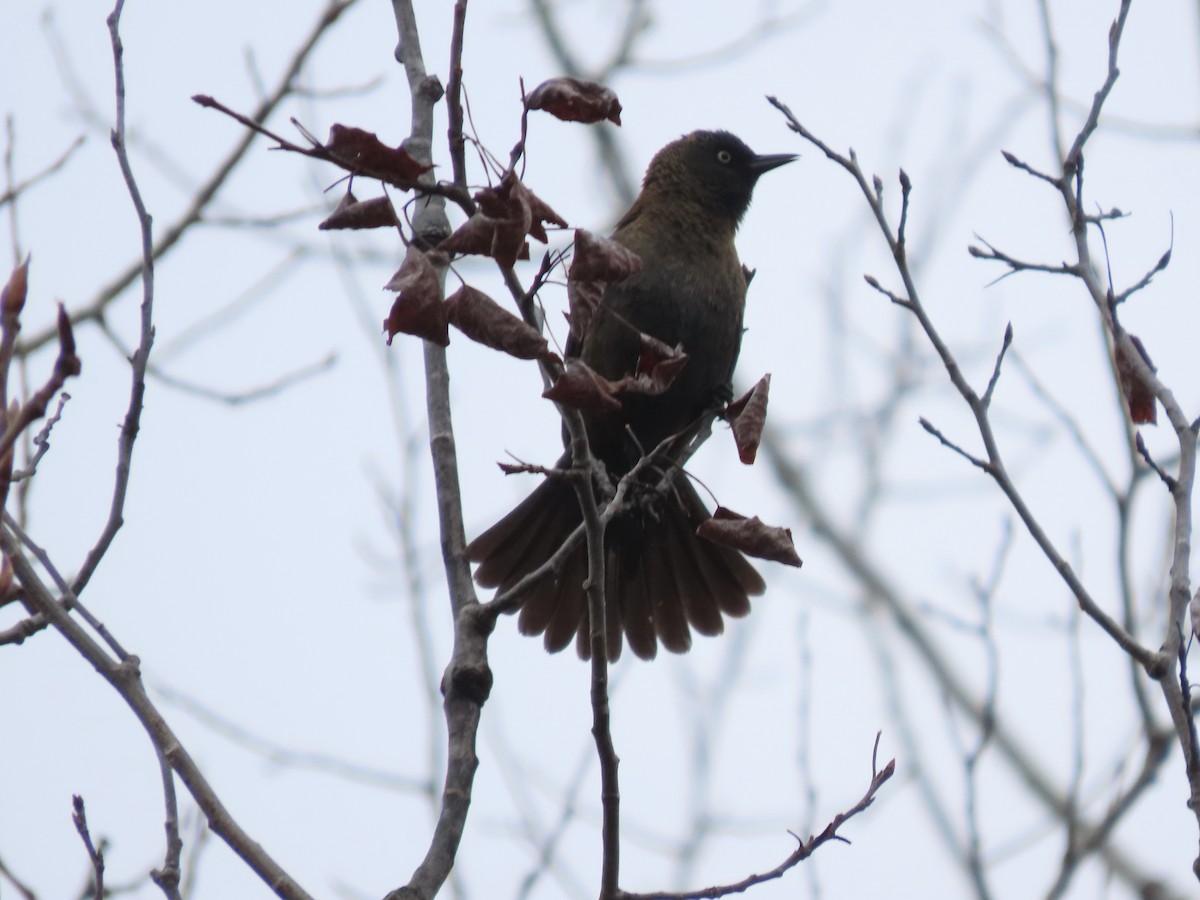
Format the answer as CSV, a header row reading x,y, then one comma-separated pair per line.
x,y
691,290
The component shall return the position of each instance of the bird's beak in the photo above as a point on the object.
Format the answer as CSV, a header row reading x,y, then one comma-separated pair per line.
x,y
761,164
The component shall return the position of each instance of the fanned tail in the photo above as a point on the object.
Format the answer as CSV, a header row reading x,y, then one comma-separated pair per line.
x,y
661,579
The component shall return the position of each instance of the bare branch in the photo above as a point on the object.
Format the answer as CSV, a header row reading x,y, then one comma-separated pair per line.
x,y
806,848
173,233
125,677
141,356
468,678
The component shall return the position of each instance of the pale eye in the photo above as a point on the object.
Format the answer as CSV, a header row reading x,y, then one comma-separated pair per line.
x,y
724,156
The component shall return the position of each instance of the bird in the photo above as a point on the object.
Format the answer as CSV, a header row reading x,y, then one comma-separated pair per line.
x,y
662,580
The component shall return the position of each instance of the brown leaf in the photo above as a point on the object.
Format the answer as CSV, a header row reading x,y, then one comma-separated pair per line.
x,y
1138,392
498,200
482,235
575,100
597,262
361,151
747,416
541,212
750,536
12,297
498,230
581,388
511,198
508,244
482,319
418,310
601,259
353,213
583,299
474,237
657,367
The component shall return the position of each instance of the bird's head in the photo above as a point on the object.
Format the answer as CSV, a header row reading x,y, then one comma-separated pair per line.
x,y
714,169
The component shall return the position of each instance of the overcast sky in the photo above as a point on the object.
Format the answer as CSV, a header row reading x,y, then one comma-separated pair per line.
x,y
257,575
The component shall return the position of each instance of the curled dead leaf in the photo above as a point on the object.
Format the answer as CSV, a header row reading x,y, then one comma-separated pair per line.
x,y
575,100
418,309
750,536
482,235
1138,391
657,367
583,299
580,387
361,151
511,199
747,415
601,259
353,213
485,321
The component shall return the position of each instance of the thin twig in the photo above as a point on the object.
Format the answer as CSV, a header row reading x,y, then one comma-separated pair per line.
x,y
993,465
207,192
141,356
14,191
167,877
95,854
125,677
806,848
19,886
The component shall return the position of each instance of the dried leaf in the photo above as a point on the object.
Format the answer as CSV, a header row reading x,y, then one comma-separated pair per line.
x,y
418,310
583,299
657,367
747,416
498,230
575,100
541,212
361,151
601,259
750,536
377,212
581,388
510,200
1138,392
482,319
474,237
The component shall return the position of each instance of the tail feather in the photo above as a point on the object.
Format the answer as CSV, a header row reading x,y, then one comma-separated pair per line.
x,y
570,604
637,611
670,623
661,579
527,536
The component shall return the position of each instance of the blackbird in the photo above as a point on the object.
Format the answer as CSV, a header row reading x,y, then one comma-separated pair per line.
x,y
661,579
